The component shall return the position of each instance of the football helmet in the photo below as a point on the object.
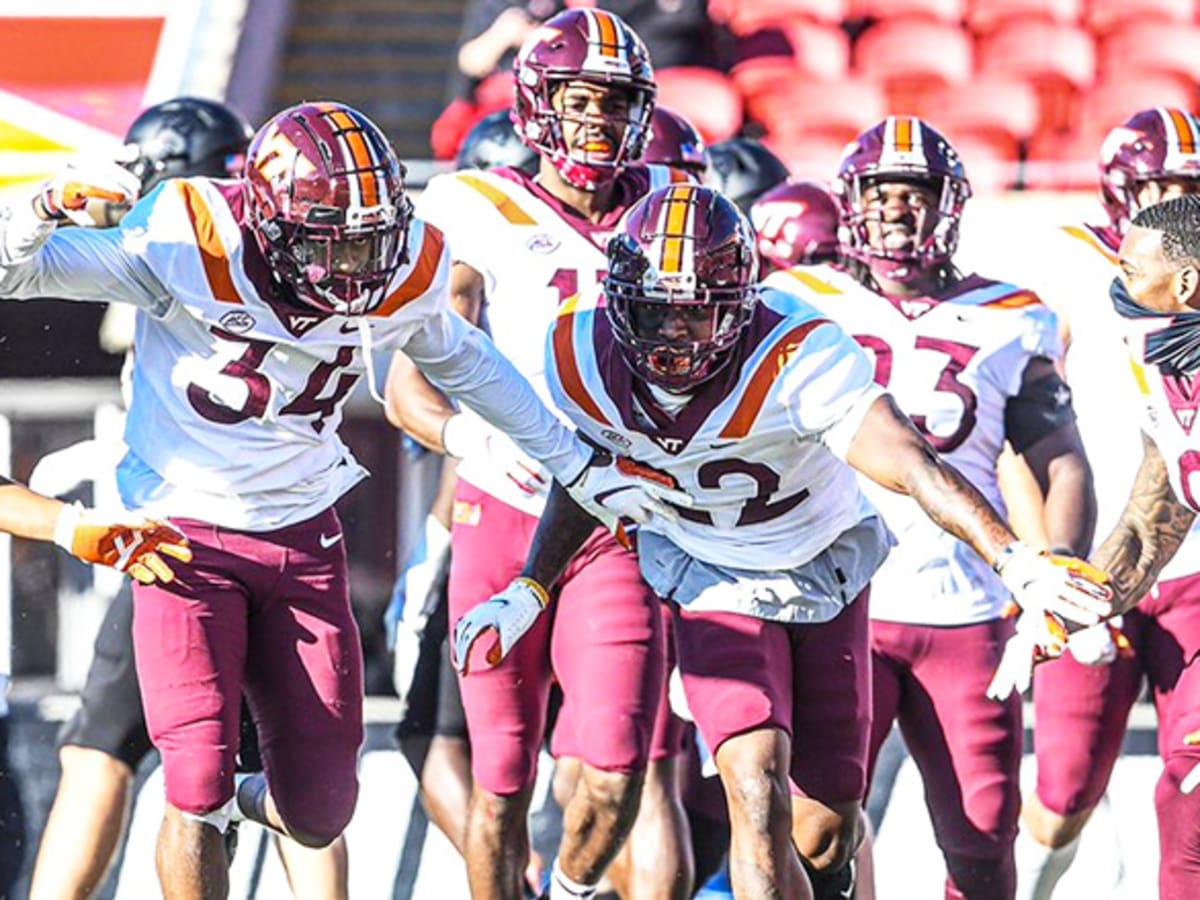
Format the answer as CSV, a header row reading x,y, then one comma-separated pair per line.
x,y
902,148
491,142
325,200
743,170
1155,143
797,224
589,45
675,142
681,284
188,136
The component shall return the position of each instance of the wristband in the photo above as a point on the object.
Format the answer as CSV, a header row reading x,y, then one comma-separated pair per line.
x,y
65,526
536,589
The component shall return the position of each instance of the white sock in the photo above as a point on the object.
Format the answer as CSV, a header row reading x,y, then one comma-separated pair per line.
x,y
1039,867
563,888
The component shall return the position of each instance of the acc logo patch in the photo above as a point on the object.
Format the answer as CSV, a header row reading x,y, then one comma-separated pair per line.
x,y
619,439
238,322
543,243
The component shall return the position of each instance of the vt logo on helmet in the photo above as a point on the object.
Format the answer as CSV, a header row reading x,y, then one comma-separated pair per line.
x,y
681,284
584,47
326,202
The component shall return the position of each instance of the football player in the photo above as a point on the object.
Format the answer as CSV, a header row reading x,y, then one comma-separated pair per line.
x,y
1083,700
971,360
762,408
1157,296
101,746
522,244
260,300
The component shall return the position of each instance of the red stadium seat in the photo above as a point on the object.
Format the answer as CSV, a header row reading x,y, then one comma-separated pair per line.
x,y
987,15
808,156
995,108
1104,16
950,11
789,50
993,163
910,57
1063,161
835,109
743,18
1152,47
705,97
1058,60
1111,102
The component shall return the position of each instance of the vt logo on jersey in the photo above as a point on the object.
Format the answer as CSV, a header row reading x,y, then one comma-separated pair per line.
x,y
670,444
299,323
1184,398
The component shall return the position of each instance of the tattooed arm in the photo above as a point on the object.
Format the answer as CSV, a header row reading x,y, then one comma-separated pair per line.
x,y
890,450
1148,533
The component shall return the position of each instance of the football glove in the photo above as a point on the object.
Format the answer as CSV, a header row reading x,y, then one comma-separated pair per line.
x,y
615,488
1100,644
67,194
1039,636
1070,588
508,615
466,435
130,545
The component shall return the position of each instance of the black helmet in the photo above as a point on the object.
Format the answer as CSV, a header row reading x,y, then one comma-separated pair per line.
x,y
493,142
743,170
188,136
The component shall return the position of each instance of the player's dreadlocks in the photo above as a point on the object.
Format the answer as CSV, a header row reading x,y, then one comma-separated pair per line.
x,y
1179,221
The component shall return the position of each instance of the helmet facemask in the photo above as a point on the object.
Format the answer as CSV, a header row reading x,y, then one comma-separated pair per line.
x,y
930,246
544,131
340,267
675,333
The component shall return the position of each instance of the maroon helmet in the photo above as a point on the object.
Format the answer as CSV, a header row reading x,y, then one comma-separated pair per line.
x,y
902,148
797,224
589,45
675,142
1155,143
681,284
326,202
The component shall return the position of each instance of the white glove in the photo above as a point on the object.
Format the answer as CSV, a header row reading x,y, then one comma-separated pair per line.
x,y
509,614
1041,582
1040,636
466,435
1099,645
101,181
614,488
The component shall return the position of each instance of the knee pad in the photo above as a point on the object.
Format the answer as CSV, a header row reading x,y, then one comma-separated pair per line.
x,y
837,884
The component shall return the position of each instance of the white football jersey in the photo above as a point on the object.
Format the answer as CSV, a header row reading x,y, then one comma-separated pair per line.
x,y
759,447
533,253
237,395
1106,396
951,363
1170,407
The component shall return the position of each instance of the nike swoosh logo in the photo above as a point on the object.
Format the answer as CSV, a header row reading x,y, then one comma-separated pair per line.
x,y
327,542
347,328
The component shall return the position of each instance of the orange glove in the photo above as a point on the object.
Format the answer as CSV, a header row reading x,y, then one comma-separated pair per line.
x,y
131,545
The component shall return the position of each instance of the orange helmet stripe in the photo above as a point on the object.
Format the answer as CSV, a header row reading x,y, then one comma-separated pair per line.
x,y
674,231
360,153
609,36
904,134
1183,131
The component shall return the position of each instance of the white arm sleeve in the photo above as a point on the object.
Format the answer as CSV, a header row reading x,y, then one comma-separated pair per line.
x,y
461,360
38,260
